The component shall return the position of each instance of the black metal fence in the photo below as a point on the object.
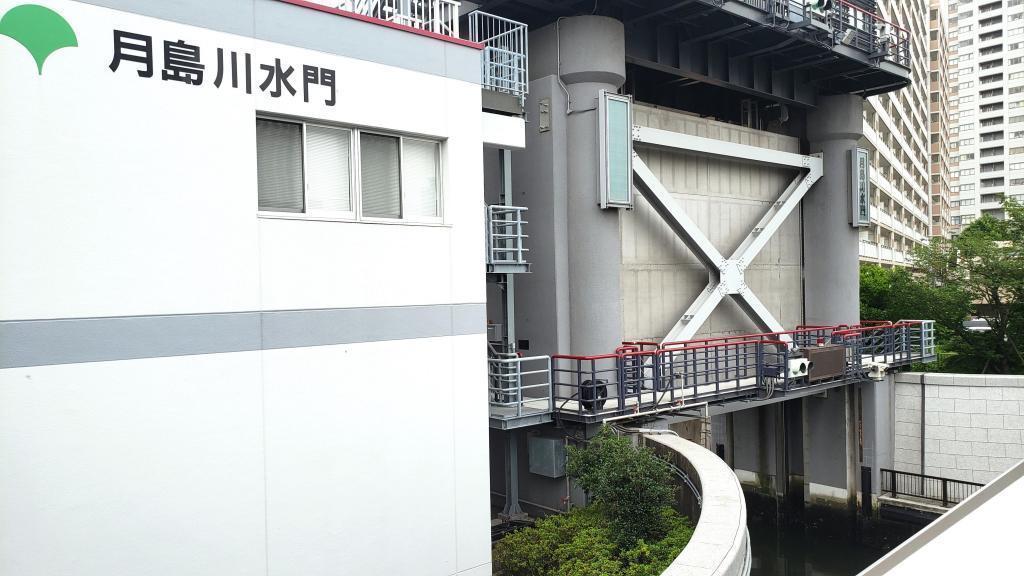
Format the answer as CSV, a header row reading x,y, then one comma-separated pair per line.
x,y
946,491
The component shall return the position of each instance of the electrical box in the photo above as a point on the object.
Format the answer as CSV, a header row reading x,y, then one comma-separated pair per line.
x,y
546,455
825,362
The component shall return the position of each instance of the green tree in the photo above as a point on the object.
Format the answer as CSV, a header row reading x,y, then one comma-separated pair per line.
x,y
986,263
631,484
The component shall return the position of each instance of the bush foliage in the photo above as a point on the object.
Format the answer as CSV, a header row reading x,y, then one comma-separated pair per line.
x,y
629,530
582,543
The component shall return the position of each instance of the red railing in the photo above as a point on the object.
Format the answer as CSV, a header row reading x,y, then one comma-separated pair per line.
x,y
642,375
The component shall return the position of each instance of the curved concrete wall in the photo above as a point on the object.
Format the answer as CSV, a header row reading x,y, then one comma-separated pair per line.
x,y
720,545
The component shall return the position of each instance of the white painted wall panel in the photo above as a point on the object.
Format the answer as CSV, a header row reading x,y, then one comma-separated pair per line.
x,y
136,467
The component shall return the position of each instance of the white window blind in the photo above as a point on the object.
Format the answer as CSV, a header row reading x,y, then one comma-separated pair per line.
x,y
381,176
328,153
420,161
279,165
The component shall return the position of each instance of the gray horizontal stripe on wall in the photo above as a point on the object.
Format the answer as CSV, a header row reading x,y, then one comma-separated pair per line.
x,y
73,340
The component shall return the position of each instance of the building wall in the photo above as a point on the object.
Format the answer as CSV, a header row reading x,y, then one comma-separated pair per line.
x,y
941,93
989,123
972,424
725,199
896,134
187,387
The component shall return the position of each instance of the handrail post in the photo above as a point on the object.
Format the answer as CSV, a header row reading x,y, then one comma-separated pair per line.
x,y
945,495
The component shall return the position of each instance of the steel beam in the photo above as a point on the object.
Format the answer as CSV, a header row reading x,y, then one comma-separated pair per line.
x,y
727,275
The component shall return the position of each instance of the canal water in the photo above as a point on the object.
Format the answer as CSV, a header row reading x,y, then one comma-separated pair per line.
x,y
815,542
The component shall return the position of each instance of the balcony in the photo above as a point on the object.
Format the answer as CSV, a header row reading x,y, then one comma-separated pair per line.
x,y
519,390
506,250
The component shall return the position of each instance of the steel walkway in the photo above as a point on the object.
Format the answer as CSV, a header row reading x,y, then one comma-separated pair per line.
x,y
642,377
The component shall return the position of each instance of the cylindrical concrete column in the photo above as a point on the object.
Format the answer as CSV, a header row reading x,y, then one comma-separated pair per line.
x,y
591,57
831,245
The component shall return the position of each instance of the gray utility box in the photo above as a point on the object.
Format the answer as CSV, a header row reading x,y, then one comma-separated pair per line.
x,y
546,455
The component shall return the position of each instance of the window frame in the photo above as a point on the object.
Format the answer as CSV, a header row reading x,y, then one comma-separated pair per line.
x,y
355,214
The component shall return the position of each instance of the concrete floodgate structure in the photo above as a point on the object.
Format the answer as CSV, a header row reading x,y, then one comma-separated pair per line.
x,y
280,276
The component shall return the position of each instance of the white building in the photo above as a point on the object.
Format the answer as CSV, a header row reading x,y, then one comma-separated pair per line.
x,y
989,127
240,244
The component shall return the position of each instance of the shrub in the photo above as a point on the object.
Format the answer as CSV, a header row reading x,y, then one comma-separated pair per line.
x,y
581,543
631,484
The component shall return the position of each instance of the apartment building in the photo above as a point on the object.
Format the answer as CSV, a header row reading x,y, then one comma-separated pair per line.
x,y
987,132
896,135
941,98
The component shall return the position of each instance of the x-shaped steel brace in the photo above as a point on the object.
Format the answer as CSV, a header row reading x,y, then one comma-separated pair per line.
x,y
726,275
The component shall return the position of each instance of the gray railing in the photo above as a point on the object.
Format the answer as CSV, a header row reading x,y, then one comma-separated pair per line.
x,y
519,386
504,66
506,236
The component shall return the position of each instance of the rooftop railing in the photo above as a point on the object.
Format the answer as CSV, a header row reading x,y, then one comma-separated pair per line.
x,y
438,16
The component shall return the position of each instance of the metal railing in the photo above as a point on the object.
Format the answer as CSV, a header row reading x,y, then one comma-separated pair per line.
x,y
506,236
641,376
850,25
519,386
438,16
943,490
504,66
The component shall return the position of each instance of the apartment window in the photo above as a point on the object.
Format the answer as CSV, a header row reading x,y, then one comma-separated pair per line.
x,y
1017,150
1017,134
1016,89
1016,119
1014,61
967,70
1016,181
966,127
990,64
1012,3
966,99
991,121
307,168
966,187
1015,17
1016,31
956,220
965,172
967,84
966,28
965,202
1014,45
1017,166
966,218
1016,75
987,21
967,42
968,156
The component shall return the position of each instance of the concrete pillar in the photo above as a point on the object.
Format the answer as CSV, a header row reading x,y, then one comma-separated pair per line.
x,y
590,52
831,249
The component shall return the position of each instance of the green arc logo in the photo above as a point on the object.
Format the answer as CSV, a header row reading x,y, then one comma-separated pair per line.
x,y
40,30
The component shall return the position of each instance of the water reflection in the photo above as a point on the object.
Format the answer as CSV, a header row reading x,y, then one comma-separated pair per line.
x,y
802,543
